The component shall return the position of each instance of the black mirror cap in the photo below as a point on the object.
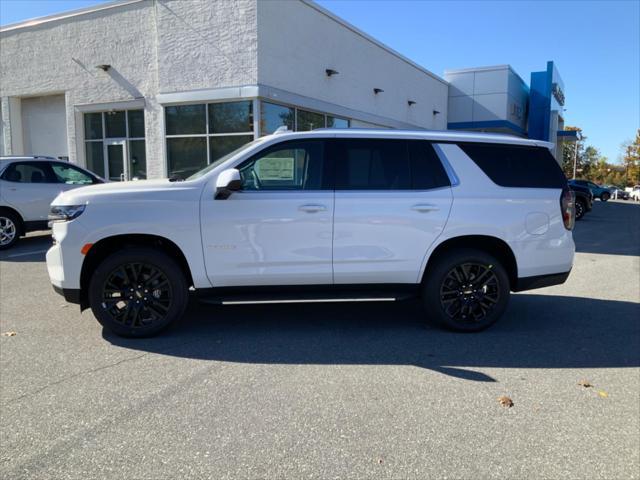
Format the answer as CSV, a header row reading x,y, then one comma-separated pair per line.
x,y
224,193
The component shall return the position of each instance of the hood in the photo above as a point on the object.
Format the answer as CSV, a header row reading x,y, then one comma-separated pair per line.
x,y
138,189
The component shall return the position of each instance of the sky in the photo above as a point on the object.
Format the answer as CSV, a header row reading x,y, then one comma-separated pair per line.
x,y
594,44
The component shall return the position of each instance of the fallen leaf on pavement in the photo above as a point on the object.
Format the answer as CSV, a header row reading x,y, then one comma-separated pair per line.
x,y
585,383
9,334
603,394
505,401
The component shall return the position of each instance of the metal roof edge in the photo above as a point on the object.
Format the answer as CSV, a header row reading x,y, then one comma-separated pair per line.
x,y
34,22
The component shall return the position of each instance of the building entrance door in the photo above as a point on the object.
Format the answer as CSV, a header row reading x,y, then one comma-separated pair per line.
x,y
115,160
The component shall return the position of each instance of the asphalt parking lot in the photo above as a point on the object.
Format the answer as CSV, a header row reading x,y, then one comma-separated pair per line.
x,y
325,390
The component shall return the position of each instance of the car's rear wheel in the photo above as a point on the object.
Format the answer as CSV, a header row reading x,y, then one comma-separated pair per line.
x,y
605,196
137,292
466,290
9,229
581,208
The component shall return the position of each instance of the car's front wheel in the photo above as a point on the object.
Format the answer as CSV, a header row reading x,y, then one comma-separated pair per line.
x,y
137,292
605,196
466,290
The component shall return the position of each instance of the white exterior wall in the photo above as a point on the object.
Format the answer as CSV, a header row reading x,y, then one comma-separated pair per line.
x,y
176,51
298,40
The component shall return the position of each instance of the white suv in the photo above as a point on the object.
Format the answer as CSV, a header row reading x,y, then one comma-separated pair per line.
x,y
27,187
459,219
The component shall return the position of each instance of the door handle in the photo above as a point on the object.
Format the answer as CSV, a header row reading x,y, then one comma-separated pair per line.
x,y
425,207
312,208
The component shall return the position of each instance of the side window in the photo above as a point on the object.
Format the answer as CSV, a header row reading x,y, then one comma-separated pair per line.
x,y
70,175
519,166
27,172
296,165
371,164
427,171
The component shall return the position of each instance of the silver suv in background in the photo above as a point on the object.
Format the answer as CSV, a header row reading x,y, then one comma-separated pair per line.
x,y
28,185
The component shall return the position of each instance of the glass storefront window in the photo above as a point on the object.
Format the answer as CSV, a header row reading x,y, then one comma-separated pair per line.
x,y
93,126
274,116
186,155
220,146
186,119
137,159
309,120
231,117
136,123
121,150
95,157
115,124
337,122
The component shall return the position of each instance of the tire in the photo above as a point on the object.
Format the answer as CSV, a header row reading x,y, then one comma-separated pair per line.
x,y
10,229
444,297
581,209
148,277
605,196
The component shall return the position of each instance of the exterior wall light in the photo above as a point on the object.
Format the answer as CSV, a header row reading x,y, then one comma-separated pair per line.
x,y
436,112
103,67
330,72
377,91
411,102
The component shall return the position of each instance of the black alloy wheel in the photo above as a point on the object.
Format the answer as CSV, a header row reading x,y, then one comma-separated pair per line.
x,y
137,292
465,290
580,209
469,292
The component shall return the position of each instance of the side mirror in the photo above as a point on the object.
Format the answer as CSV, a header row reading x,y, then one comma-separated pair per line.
x,y
228,181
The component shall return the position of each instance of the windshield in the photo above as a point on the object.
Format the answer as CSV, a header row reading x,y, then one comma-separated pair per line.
x,y
223,159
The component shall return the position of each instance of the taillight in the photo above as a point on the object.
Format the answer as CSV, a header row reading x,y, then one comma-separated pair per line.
x,y
568,208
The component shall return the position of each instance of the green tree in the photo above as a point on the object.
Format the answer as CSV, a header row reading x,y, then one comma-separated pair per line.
x,y
631,161
569,151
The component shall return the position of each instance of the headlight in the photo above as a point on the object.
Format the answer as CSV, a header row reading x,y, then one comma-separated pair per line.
x,y
64,213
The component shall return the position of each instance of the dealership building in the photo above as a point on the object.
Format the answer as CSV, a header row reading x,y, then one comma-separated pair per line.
x,y
154,88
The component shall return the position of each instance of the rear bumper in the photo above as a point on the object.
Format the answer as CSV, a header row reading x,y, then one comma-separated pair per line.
x,y
71,295
540,281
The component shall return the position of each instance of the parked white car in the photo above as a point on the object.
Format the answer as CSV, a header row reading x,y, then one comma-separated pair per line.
x,y
27,187
634,193
460,219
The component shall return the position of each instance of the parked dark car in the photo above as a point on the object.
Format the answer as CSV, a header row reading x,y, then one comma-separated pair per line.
x,y
584,200
603,193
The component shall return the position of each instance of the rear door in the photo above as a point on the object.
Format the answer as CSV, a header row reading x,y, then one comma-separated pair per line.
x,y
392,201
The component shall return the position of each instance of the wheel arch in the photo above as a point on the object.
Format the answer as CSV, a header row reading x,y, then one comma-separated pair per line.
x,y
492,245
106,246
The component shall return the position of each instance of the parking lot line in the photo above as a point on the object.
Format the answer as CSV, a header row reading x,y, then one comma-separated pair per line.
x,y
24,254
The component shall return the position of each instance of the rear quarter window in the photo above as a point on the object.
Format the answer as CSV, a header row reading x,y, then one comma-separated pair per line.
x,y
516,165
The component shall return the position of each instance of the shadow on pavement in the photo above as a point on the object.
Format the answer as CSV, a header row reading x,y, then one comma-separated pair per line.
x,y
31,248
538,331
611,228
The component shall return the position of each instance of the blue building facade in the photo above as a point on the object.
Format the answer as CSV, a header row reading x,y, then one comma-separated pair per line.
x,y
497,99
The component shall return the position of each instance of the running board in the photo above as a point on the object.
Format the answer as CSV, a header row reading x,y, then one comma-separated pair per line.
x,y
213,296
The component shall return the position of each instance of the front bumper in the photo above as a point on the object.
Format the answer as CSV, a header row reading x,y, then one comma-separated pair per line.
x,y
71,295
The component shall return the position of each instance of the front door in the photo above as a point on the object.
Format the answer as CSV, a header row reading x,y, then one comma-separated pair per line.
x,y
115,159
277,230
